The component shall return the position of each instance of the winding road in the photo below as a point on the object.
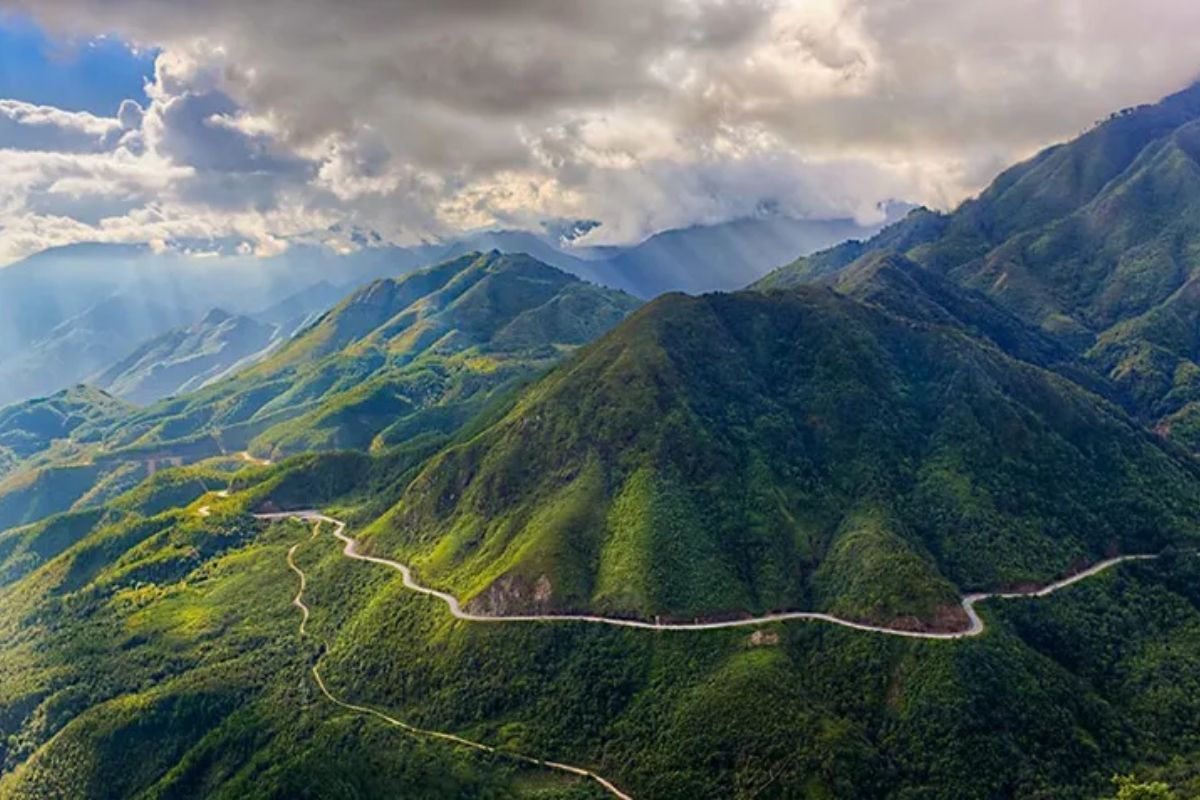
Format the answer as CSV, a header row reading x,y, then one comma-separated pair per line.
x,y
350,550
298,601
251,459
975,628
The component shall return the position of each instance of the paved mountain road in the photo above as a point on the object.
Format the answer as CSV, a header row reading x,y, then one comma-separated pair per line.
x,y
975,628
350,550
298,601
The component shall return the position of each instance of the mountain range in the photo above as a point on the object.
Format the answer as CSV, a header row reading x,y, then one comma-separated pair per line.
x,y
986,401
89,309
1093,243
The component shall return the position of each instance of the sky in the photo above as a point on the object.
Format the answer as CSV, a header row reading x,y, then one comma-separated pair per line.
x,y
251,126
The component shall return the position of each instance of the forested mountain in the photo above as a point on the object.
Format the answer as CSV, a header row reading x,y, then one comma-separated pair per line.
x,y
87,307
188,358
1096,242
744,453
399,359
30,429
961,404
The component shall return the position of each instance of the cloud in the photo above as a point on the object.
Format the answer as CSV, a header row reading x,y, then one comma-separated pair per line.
x,y
25,126
413,118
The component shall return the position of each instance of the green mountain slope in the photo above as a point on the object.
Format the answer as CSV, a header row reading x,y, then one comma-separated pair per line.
x,y
159,656
1096,242
186,358
397,358
751,452
81,413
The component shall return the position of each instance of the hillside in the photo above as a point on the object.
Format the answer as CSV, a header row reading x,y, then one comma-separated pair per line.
x,y
1095,242
32,428
187,358
148,630
397,358
748,452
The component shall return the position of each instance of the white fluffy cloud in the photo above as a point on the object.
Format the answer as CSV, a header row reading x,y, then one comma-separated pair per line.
x,y
414,118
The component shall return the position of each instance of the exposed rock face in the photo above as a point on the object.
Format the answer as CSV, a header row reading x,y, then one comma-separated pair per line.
x,y
764,639
511,594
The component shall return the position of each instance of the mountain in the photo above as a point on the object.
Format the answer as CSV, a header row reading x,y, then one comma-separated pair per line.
x,y
918,226
959,404
187,358
905,289
398,357
43,445
1095,242
696,259
743,453
413,358
219,345
81,345
720,257
152,650
85,307
31,428
298,310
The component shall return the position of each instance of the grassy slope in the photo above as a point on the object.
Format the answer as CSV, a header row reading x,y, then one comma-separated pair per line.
x,y
712,453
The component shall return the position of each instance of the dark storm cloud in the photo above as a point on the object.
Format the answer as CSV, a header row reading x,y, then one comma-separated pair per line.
x,y
407,116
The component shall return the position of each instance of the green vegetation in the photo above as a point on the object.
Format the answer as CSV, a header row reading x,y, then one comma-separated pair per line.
x,y
169,643
396,359
1094,242
1128,788
63,423
745,453
941,413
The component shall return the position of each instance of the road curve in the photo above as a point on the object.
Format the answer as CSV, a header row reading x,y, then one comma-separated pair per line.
x,y
975,628
206,511
298,601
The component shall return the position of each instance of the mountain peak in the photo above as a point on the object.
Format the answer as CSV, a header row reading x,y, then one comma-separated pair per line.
x,y
215,317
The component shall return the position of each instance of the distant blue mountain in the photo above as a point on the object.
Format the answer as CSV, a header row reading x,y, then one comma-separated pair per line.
x,y
76,312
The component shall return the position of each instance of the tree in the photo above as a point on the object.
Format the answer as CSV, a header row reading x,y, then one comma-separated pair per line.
x,y
1128,788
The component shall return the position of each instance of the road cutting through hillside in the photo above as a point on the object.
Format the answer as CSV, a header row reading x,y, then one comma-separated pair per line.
x,y
350,550
298,601
975,628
